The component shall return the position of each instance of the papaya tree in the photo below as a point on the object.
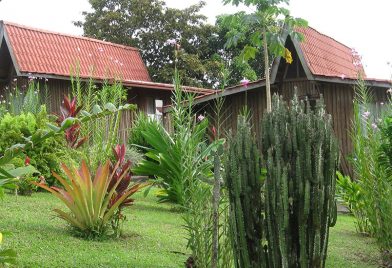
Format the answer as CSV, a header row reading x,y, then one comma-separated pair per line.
x,y
268,24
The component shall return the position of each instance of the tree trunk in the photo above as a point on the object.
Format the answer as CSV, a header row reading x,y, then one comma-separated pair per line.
x,y
266,72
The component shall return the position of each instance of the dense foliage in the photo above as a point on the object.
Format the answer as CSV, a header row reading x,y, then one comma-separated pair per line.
x,y
149,24
371,163
46,156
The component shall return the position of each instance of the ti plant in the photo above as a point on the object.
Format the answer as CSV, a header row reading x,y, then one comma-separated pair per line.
x,y
120,171
92,199
301,158
70,109
244,182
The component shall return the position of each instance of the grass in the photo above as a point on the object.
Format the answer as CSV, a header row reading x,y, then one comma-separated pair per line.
x,y
153,238
349,249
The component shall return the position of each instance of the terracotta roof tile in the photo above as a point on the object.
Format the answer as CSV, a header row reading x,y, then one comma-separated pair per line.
x,y
43,52
327,57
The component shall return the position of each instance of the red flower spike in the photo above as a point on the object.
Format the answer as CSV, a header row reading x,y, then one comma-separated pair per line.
x,y
27,161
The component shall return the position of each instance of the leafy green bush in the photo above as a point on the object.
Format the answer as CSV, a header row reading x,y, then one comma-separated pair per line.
x,y
371,164
351,193
134,155
140,124
46,156
13,129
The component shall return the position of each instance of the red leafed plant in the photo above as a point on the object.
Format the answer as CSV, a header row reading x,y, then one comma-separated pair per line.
x,y
120,171
96,201
70,109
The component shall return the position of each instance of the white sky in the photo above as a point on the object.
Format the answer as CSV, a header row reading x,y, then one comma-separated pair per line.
x,y
363,25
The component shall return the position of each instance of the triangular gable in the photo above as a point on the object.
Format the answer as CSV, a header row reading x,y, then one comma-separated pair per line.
x,y
296,70
323,57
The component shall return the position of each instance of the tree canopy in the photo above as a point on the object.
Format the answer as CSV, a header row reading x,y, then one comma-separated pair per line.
x,y
148,24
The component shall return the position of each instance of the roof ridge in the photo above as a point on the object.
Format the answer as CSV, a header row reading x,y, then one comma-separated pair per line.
x,y
5,23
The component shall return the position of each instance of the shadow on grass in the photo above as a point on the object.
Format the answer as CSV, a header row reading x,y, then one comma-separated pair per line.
x,y
169,208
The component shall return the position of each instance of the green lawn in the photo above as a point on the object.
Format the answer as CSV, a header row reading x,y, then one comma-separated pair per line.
x,y
153,238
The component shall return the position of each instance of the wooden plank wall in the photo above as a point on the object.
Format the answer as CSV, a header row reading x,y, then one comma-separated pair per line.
x,y
338,101
233,106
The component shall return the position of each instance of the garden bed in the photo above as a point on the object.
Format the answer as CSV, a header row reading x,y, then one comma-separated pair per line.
x,y
153,237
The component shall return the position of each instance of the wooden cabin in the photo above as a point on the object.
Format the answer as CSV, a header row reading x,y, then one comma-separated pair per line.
x,y
321,66
52,58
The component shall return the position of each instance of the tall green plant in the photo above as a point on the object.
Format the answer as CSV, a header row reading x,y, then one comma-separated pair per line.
x,y
244,184
25,101
301,158
103,133
371,167
182,163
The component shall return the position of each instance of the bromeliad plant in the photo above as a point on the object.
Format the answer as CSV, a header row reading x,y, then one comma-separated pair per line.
x,y
93,200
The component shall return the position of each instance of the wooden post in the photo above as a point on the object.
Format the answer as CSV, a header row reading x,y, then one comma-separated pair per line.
x,y
267,73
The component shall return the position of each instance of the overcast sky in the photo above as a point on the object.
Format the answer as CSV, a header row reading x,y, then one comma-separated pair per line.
x,y
363,25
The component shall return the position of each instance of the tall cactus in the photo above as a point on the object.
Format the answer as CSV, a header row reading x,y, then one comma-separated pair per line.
x,y
243,181
301,157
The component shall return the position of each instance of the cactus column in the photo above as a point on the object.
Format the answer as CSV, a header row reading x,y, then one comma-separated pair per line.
x,y
243,181
301,157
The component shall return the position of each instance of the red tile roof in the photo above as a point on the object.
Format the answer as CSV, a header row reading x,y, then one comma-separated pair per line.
x,y
49,53
327,57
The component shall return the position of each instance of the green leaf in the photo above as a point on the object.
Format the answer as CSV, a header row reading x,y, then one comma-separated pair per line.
x,y
22,171
249,52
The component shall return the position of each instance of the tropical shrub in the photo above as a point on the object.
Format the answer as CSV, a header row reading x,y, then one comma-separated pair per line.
x,y
91,199
371,167
173,158
351,193
13,129
7,256
139,125
134,155
383,204
301,157
101,135
182,164
30,100
46,156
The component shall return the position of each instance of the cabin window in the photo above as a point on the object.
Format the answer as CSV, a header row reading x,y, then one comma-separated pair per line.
x,y
155,109
158,109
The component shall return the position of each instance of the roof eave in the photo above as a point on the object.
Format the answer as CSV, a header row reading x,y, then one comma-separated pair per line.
x,y
1,32
10,49
228,91
350,81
